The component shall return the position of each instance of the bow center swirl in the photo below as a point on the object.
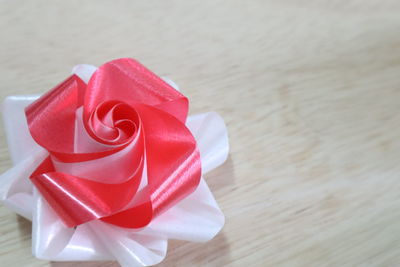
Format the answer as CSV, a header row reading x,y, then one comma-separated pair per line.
x,y
113,123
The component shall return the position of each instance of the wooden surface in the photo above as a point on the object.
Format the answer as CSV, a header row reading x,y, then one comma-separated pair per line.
x,y
310,92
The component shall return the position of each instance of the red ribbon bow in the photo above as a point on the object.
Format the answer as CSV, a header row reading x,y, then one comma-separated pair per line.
x,y
126,110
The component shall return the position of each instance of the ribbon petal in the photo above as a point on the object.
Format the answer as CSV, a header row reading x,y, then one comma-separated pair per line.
x,y
51,118
77,200
128,81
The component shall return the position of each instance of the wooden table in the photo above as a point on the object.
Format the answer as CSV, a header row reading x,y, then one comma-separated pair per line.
x,y
310,91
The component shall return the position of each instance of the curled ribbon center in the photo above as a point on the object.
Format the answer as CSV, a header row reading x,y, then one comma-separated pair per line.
x,y
113,123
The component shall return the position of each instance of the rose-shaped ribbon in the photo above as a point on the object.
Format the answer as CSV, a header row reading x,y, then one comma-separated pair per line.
x,y
119,148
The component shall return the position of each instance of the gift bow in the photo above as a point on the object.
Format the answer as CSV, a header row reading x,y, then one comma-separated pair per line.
x,y
126,110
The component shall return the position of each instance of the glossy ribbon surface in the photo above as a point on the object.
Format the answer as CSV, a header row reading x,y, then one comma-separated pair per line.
x,y
119,148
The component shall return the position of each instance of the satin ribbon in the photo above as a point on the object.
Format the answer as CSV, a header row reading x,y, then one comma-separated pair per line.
x,y
126,110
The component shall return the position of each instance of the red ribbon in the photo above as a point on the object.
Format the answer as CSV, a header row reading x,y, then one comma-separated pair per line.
x,y
125,107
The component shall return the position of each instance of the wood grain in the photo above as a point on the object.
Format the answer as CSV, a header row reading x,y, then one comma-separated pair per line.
x,y
310,91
